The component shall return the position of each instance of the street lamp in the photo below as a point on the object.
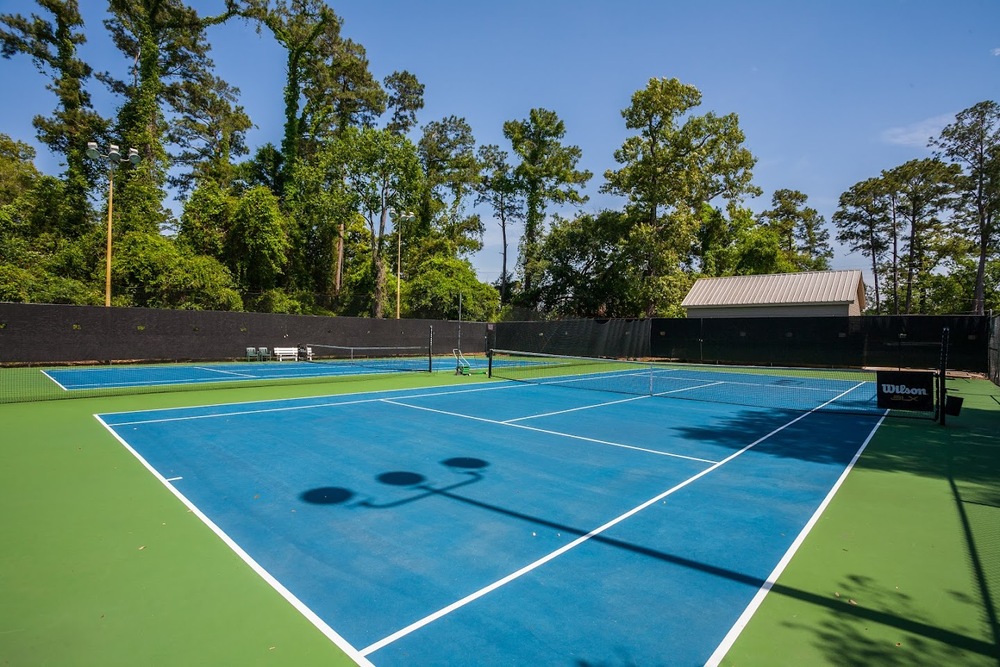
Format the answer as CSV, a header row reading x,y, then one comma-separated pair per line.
x,y
399,253
114,158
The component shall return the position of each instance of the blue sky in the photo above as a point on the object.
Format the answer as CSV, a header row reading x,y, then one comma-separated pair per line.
x,y
828,93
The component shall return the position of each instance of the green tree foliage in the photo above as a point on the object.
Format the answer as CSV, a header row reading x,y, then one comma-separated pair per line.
x,y
956,286
737,244
547,174
588,271
924,191
210,133
328,86
800,228
257,244
405,99
499,189
317,201
167,41
973,141
447,154
300,26
149,271
207,220
345,93
17,169
38,262
675,163
381,172
320,223
264,168
52,45
433,292
865,225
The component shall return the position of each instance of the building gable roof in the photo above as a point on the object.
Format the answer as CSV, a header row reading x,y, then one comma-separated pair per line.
x,y
813,287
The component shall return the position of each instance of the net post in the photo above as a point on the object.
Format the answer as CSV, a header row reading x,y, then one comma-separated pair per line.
x,y
489,363
942,377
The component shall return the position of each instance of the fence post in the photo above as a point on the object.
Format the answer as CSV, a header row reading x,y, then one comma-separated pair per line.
x,y
942,377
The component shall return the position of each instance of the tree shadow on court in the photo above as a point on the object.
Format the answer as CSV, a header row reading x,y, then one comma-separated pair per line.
x,y
968,445
815,437
846,637
623,660
858,602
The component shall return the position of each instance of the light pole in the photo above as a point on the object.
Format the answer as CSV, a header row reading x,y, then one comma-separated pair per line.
x,y
114,158
399,254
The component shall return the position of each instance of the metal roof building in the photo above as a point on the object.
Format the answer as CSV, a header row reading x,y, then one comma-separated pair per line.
x,y
809,294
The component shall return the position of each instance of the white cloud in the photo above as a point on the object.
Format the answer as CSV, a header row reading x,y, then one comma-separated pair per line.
x,y
995,52
917,134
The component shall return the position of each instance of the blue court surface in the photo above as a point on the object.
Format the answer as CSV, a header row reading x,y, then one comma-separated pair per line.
x,y
505,523
111,377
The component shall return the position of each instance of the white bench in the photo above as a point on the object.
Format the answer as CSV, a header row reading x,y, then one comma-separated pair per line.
x,y
283,353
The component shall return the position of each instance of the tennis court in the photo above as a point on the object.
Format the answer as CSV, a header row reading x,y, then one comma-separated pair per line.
x,y
518,523
162,375
75,379
707,512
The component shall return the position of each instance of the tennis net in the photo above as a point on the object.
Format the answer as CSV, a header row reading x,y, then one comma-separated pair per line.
x,y
376,358
798,389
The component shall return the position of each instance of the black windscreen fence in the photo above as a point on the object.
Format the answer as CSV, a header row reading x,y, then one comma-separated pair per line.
x,y
37,336
866,341
43,334
623,339
909,341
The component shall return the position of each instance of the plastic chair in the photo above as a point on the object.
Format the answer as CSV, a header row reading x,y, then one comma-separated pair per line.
x,y
263,354
252,354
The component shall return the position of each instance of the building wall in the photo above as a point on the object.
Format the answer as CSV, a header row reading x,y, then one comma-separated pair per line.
x,y
818,310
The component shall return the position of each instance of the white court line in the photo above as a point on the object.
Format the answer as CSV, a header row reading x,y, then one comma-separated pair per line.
x,y
174,479
546,431
758,599
587,377
121,384
58,384
399,634
677,391
224,372
582,407
671,375
320,624
825,390
237,413
311,406
601,405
